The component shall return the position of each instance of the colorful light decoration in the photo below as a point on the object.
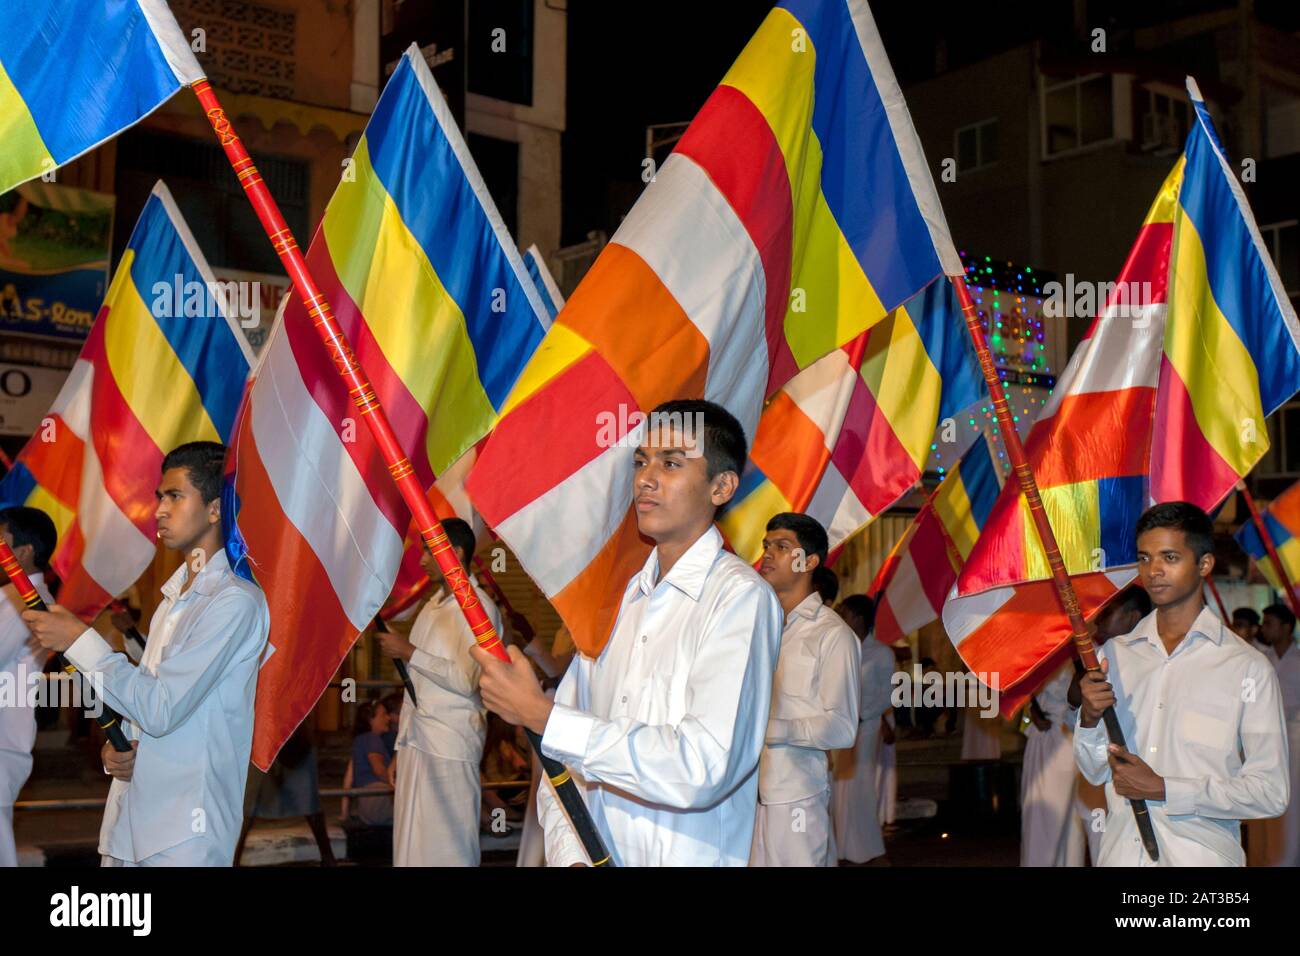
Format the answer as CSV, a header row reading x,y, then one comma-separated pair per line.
x,y
1009,301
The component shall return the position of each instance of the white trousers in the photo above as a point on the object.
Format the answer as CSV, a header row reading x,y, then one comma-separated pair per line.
x,y
436,811
1050,832
854,811
794,834
198,851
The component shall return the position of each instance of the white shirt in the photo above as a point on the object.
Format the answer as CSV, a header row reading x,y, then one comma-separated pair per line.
x,y
449,719
1208,719
876,680
190,704
18,665
663,730
814,703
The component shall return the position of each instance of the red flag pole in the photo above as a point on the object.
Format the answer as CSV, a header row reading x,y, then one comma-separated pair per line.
x,y
1218,599
372,412
1273,556
1069,601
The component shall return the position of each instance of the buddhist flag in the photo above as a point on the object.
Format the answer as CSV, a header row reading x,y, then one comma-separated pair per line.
x,y
795,213
1282,519
75,73
164,364
428,287
1164,400
850,435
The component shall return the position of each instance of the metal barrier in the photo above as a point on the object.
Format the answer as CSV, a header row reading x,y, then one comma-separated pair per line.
x,y
98,803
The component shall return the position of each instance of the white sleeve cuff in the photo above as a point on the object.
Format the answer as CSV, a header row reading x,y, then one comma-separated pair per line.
x,y
566,735
87,651
1180,795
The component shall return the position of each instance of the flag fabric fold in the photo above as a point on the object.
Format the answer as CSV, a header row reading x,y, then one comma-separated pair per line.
x,y
795,213
1164,400
850,435
74,74
441,315
164,364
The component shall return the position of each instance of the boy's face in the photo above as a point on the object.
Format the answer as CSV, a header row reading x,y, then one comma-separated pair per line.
x,y
183,516
1167,567
784,563
1244,629
671,489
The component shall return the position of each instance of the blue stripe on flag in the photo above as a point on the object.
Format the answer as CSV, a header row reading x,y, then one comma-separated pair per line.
x,y
85,70
863,178
939,322
206,346
417,166
17,485
535,273
980,479
1237,274
1121,502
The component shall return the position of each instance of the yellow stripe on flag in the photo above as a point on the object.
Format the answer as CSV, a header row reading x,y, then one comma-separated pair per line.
x,y
1212,361
746,523
838,303
558,350
1075,514
953,508
155,385
23,154
418,325
1166,202
909,387
59,513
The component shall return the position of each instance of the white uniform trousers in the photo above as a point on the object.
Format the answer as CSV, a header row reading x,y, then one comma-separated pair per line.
x,y
854,797
15,767
1050,834
794,834
436,811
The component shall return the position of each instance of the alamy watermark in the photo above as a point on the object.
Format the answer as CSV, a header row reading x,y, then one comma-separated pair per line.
x,y
30,687
626,428
179,298
951,689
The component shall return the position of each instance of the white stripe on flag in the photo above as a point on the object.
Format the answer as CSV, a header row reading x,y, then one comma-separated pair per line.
x,y
687,232
907,597
114,553
175,47
319,487
1122,352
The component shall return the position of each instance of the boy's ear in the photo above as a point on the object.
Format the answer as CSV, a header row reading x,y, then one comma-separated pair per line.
x,y
724,487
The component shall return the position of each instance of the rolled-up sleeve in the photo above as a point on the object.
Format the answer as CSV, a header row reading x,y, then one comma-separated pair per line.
x,y
716,745
1090,752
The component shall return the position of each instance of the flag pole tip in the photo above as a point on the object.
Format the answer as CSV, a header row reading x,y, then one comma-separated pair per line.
x,y
1194,90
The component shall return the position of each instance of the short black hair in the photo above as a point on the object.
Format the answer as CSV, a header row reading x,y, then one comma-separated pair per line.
x,y
204,461
1282,613
31,526
863,607
1197,527
826,583
1247,614
811,535
461,536
1133,598
725,447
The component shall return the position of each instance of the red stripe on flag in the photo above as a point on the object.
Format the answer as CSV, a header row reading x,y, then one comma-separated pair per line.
x,y
128,457
79,592
321,380
310,632
1004,537
929,550
512,470
1184,465
1093,435
731,140
869,455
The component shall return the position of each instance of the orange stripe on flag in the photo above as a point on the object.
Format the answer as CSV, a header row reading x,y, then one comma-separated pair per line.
x,y
589,603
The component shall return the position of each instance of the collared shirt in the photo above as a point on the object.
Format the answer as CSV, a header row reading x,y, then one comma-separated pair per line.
x,y
18,664
449,719
814,703
662,732
190,704
1208,719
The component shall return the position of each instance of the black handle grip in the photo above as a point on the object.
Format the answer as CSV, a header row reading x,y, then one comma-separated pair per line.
x,y
1140,812
382,627
571,800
